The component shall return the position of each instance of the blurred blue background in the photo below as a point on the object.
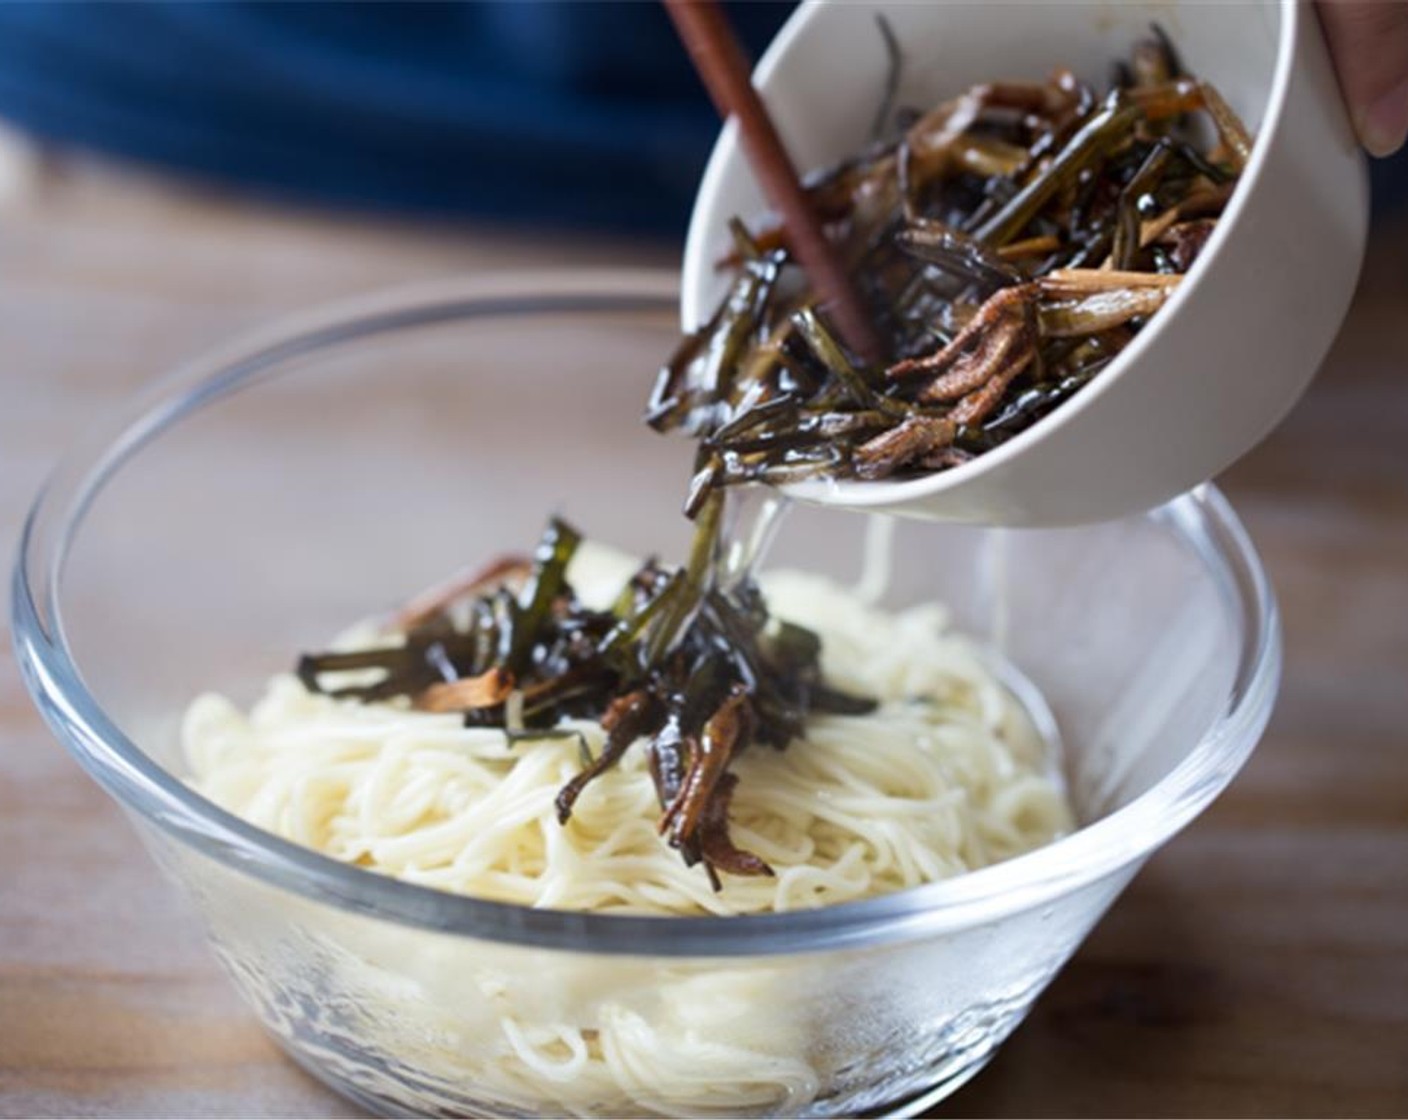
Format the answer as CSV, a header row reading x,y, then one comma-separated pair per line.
x,y
574,114
584,114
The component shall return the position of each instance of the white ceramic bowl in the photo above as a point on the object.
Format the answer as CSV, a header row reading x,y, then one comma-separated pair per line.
x,y
1235,347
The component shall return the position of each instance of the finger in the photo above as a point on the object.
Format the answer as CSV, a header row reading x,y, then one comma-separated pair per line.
x,y
1369,42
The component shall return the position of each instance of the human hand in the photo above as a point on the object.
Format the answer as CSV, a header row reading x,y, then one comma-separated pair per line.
x,y
1369,43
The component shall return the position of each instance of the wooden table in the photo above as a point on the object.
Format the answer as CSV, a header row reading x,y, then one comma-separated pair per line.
x,y
1259,966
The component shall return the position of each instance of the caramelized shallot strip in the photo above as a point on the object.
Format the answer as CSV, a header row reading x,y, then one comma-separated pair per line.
x,y
1151,62
1171,99
726,731
1031,247
939,143
1066,283
490,688
1001,337
927,150
1069,318
1208,202
977,404
715,845
1186,240
989,157
471,581
945,458
625,720
936,146
912,441
1230,129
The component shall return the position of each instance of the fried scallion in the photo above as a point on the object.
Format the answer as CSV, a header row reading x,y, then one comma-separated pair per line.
x,y
694,670
1008,242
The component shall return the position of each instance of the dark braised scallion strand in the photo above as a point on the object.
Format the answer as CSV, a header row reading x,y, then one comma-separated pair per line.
x,y
997,190
545,584
894,67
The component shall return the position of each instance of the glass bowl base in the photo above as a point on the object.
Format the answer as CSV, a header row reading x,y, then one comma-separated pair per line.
x,y
377,1104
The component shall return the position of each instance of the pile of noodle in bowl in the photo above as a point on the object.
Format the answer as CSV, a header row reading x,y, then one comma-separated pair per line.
x,y
949,774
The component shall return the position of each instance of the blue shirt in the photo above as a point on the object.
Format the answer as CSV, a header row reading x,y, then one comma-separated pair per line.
x,y
573,113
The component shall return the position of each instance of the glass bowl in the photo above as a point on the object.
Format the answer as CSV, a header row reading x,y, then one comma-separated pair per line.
x,y
259,500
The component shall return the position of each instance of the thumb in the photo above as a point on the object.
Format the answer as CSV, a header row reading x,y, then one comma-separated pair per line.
x,y
1369,43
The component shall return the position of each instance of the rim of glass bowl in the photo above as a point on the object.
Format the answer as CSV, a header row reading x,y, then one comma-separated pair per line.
x,y
1202,518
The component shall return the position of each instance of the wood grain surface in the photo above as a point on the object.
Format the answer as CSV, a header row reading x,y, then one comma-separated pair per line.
x,y
1258,967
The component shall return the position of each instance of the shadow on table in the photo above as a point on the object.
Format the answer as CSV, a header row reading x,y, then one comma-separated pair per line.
x,y
1112,1032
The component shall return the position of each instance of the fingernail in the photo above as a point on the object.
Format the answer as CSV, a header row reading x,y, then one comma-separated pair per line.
x,y
1383,126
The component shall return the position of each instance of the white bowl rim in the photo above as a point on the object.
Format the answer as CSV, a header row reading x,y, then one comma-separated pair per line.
x,y
1203,519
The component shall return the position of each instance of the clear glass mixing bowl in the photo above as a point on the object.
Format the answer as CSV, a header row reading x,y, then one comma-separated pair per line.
x,y
259,500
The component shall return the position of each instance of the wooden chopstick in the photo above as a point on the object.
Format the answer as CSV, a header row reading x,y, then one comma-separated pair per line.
x,y
722,67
